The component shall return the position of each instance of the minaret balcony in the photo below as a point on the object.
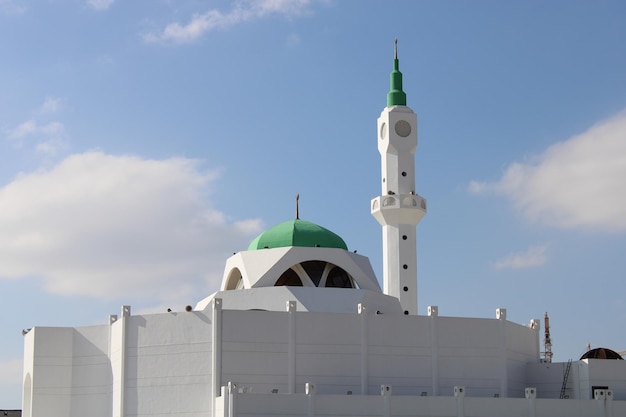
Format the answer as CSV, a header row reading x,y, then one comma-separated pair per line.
x,y
398,209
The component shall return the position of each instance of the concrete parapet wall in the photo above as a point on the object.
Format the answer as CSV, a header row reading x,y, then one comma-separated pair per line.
x,y
295,405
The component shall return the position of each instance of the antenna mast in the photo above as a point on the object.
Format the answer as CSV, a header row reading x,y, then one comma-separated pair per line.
x,y
547,341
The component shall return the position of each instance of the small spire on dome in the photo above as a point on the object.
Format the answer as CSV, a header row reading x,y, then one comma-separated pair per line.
x,y
297,206
395,96
395,49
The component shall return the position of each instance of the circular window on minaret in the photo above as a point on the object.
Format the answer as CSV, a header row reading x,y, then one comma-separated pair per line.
x,y
403,128
383,131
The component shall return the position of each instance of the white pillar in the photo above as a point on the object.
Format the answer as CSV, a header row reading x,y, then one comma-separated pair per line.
x,y
224,401
216,342
385,392
364,351
310,391
531,396
119,390
504,381
433,313
459,395
232,400
604,399
291,349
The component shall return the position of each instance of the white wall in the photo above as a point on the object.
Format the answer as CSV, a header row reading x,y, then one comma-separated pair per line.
x,y
161,364
341,352
91,372
271,405
608,372
168,364
583,376
70,372
548,379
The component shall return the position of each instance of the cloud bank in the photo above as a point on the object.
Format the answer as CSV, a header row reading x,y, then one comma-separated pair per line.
x,y
109,226
11,7
100,4
532,257
242,11
48,137
579,183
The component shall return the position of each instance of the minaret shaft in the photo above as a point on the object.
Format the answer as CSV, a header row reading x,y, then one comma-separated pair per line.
x,y
400,265
393,166
398,209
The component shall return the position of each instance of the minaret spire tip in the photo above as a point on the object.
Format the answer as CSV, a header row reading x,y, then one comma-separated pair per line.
x,y
396,97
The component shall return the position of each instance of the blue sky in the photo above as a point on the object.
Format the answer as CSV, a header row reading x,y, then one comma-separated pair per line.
x,y
142,142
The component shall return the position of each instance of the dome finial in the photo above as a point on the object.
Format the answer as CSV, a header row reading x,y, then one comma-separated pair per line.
x,y
395,96
297,206
395,49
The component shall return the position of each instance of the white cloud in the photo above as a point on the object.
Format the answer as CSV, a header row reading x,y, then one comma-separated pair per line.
x,y
533,257
22,130
577,183
51,105
113,226
52,128
293,40
243,11
11,6
52,147
50,137
105,60
32,128
100,4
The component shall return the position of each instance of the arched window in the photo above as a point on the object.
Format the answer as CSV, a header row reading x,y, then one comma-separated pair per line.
x,y
315,270
338,278
235,280
319,274
289,278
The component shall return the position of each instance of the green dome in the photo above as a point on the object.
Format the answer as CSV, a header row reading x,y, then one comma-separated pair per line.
x,y
297,233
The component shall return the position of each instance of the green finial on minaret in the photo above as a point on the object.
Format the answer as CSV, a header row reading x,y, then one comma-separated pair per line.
x,y
395,96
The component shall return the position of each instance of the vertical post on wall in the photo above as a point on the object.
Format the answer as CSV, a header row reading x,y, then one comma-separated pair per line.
x,y
291,350
310,391
608,403
232,399
224,402
112,320
125,313
600,396
604,399
433,313
216,341
364,382
385,392
531,396
459,395
504,388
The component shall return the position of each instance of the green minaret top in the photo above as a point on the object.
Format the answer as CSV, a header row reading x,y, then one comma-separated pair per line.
x,y
395,96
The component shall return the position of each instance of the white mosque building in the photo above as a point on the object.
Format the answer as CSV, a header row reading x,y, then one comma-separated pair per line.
x,y
301,327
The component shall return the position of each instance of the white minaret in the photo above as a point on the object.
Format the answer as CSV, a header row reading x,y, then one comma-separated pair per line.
x,y
398,209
